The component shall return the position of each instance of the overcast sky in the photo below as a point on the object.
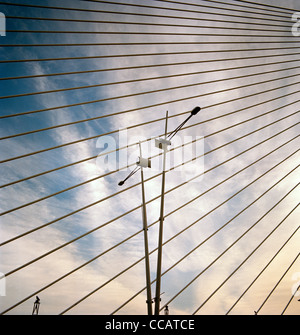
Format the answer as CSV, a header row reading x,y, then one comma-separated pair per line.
x,y
211,56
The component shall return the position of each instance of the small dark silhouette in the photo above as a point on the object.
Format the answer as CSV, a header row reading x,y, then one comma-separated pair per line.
x,y
36,306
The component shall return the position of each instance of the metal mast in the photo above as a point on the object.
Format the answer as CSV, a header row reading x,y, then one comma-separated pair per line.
x,y
144,162
163,144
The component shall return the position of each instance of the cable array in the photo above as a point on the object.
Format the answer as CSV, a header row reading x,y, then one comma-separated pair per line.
x,y
70,81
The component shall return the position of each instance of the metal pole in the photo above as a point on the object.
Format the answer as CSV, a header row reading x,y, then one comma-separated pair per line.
x,y
160,236
145,227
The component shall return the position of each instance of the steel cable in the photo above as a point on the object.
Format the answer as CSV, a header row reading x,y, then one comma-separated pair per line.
x,y
170,213
246,259
201,243
260,273
278,282
231,245
114,171
145,14
144,54
155,91
211,119
110,221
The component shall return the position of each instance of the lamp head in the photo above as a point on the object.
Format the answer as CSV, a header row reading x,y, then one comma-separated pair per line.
x,y
195,110
121,183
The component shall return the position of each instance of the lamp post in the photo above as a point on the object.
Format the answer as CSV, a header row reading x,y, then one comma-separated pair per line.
x,y
144,163
163,143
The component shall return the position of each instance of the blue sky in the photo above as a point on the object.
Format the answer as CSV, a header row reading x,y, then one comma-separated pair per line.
x,y
265,88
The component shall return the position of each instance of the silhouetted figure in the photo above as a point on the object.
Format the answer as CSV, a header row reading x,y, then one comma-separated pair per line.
x,y
36,306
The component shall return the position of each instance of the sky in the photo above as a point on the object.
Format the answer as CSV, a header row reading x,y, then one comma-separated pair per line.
x,y
78,110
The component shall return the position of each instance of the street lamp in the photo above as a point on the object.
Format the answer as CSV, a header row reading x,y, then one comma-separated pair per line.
x,y
143,163
163,143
